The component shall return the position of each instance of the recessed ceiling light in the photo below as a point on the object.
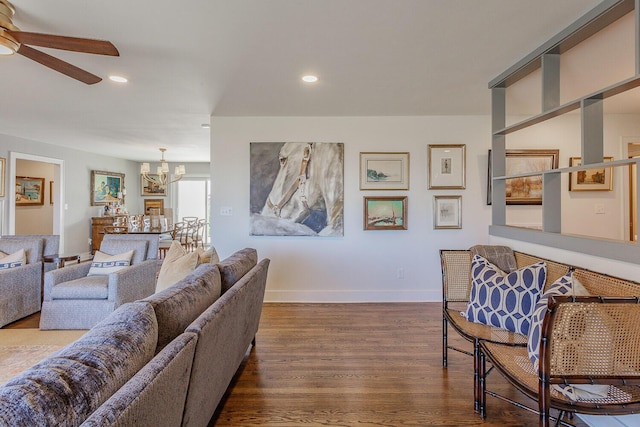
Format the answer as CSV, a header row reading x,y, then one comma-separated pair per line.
x,y
118,79
310,79
205,125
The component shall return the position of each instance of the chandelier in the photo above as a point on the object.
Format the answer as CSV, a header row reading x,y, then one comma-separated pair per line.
x,y
161,178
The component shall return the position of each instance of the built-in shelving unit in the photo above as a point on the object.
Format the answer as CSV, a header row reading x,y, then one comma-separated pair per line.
x,y
547,59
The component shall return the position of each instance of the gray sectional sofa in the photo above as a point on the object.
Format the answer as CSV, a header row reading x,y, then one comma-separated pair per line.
x,y
166,360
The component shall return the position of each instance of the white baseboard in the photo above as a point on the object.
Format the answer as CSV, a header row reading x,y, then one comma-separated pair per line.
x,y
333,296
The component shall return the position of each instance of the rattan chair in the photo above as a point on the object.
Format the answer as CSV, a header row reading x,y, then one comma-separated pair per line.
x,y
456,286
585,340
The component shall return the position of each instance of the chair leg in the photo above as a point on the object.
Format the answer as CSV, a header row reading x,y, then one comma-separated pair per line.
x,y
444,341
477,390
482,387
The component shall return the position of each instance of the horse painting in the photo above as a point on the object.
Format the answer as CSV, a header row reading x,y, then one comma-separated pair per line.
x,y
306,196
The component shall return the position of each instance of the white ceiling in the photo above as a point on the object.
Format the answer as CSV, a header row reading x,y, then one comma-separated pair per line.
x,y
189,60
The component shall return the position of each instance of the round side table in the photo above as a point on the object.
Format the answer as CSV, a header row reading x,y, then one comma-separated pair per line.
x,y
61,259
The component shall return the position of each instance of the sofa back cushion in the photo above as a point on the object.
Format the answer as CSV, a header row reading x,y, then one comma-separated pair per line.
x,y
180,304
236,266
66,387
32,247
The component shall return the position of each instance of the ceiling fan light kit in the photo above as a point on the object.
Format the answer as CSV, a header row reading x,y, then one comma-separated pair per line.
x,y
12,40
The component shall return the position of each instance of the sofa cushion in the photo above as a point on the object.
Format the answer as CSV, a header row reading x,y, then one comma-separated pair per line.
x,y
236,266
504,300
90,287
175,266
65,388
180,304
16,259
104,264
32,247
114,247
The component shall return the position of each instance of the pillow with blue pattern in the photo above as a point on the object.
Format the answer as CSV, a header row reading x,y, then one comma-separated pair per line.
x,y
104,264
504,300
16,259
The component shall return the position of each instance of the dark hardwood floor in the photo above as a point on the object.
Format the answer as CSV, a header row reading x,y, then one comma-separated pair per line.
x,y
356,365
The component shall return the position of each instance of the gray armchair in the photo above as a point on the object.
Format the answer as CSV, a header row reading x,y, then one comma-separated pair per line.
x,y
73,300
20,287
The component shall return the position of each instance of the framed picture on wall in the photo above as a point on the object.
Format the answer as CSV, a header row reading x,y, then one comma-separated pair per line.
x,y
152,188
527,190
447,212
385,213
105,187
447,164
384,171
597,179
29,191
153,204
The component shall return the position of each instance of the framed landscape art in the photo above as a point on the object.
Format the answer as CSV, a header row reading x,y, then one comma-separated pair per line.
x,y
385,213
384,171
597,179
29,191
152,189
526,190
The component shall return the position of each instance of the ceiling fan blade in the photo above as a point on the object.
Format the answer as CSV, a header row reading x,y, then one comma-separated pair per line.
x,y
75,44
59,65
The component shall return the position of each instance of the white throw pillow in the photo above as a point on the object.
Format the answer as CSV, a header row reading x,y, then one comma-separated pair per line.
x,y
16,259
177,264
208,256
104,264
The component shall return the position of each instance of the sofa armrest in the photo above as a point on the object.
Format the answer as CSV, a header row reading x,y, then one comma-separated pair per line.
x,y
133,283
71,272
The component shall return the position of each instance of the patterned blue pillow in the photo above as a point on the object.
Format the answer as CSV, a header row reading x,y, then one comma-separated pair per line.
x,y
504,300
565,285
562,286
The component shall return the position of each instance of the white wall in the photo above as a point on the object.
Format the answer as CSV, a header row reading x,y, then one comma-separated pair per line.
x,y
362,265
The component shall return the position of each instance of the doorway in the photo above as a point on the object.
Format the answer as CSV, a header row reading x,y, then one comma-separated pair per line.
x,y
54,187
194,199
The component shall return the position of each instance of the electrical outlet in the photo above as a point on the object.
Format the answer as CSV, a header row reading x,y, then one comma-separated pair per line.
x,y
599,208
400,273
226,211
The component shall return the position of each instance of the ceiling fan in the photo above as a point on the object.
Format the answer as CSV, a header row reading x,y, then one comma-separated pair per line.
x,y
12,40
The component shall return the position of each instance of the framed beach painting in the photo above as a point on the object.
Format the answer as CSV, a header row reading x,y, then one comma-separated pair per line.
x,y
447,164
385,213
105,187
597,179
384,171
29,191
